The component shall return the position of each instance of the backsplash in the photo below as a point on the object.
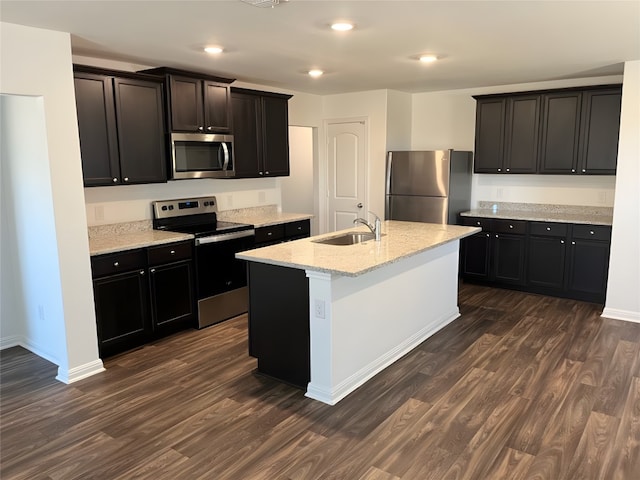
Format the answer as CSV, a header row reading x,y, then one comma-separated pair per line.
x,y
131,203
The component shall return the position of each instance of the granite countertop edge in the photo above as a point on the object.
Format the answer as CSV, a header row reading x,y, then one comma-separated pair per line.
x,y
262,255
532,216
121,243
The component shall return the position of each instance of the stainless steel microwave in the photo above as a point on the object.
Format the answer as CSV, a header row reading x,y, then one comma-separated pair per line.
x,y
200,155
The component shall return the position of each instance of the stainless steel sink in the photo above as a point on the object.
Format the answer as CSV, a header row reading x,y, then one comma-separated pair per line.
x,y
350,238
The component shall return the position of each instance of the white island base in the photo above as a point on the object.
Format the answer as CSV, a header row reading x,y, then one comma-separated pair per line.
x,y
360,325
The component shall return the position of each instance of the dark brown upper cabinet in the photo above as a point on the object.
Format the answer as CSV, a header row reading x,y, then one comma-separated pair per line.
x,y
507,134
261,133
196,103
121,127
563,131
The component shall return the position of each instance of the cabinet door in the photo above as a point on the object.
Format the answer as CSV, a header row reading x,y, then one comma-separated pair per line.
x,y
546,262
490,118
475,256
186,104
139,116
121,311
275,123
97,129
216,107
247,140
600,131
508,258
560,132
172,296
588,266
521,140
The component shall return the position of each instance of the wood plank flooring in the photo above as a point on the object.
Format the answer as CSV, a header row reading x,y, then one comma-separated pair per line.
x,y
519,387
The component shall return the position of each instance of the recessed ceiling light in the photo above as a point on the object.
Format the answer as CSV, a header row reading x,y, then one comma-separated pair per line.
x,y
342,26
213,50
315,72
428,58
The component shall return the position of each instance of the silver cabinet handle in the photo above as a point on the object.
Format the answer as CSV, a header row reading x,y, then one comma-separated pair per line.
x,y
584,170
210,128
548,229
573,243
259,173
116,264
115,180
478,223
269,234
200,129
172,252
126,179
510,226
573,170
508,169
141,272
487,235
562,241
153,270
266,173
499,169
591,232
496,236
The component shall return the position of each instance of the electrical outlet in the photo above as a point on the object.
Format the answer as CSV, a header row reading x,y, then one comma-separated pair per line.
x,y
319,308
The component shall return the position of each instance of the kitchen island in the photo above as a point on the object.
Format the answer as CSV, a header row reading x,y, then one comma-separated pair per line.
x,y
329,317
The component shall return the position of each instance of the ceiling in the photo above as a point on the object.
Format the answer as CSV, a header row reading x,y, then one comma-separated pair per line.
x,y
479,43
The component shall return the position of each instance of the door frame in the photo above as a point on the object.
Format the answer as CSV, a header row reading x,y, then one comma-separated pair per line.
x,y
323,190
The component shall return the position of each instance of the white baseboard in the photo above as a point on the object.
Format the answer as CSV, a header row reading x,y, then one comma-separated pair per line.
x,y
625,315
78,373
344,388
64,375
11,341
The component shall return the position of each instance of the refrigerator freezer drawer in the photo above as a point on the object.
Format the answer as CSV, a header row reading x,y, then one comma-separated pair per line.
x,y
417,209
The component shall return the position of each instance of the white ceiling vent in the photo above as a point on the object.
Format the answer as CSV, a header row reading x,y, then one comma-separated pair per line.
x,y
265,3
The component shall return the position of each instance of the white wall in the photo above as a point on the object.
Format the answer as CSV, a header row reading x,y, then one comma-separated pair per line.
x,y
32,313
623,290
398,120
371,105
38,63
444,120
297,189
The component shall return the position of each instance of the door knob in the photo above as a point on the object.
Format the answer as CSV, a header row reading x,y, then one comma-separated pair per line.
x,y
359,205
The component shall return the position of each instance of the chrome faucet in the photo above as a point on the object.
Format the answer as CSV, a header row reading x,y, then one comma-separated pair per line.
x,y
375,228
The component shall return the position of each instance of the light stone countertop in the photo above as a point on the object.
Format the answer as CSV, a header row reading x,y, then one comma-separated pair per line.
x,y
400,240
261,216
128,236
544,213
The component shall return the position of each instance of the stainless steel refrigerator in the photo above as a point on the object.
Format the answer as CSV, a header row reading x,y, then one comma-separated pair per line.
x,y
428,186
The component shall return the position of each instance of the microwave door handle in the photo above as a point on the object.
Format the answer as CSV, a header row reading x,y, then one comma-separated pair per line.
x,y
225,166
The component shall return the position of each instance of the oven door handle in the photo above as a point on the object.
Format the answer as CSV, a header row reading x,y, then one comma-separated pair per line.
x,y
225,236
225,149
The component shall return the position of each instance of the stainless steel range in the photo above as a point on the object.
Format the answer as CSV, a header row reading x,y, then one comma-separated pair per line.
x,y
221,279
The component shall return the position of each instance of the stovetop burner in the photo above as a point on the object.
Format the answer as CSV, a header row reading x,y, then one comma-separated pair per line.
x,y
197,216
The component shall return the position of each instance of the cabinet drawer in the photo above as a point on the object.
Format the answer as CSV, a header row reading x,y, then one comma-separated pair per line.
x,y
112,263
272,233
297,229
548,229
510,226
171,252
484,223
592,232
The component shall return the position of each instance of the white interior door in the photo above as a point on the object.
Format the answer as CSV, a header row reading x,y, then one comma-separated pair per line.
x,y
347,173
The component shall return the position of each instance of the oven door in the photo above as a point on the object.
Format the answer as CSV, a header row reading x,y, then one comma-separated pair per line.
x,y
201,156
217,268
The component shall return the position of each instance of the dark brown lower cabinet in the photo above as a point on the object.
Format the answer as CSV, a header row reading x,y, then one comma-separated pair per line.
x,y
508,258
279,322
142,294
563,260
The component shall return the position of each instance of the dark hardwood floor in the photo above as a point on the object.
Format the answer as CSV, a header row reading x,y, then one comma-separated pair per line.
x,y
519,387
